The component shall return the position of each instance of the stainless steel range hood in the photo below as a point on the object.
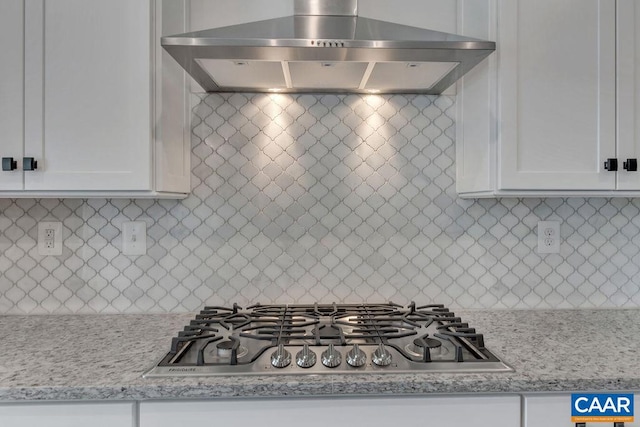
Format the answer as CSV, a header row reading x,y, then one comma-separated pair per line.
x,y
326,47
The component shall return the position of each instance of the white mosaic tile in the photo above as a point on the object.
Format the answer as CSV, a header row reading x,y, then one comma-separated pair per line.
x,y
321,198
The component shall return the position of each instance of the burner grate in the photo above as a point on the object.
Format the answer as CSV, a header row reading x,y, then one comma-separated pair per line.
x,y
227,340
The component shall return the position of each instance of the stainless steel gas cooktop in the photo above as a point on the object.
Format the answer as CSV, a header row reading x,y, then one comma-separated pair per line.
x,y
326,339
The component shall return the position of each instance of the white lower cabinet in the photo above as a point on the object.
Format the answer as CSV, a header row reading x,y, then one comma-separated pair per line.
x,y
546,410
68,415
462,411
532,410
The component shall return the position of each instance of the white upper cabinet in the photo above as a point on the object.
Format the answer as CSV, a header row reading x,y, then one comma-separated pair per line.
x,y
94,93
172,104
552,102
96,125
557,94
476,104
11,91
628,32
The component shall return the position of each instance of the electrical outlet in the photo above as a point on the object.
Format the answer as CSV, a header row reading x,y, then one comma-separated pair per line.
x,y
134,238
50,238
549,237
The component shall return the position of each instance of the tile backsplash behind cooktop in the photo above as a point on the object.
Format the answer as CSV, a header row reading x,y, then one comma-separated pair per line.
x,y
321,197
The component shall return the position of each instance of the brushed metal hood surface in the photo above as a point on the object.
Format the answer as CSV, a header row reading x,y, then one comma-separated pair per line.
x,y
331,51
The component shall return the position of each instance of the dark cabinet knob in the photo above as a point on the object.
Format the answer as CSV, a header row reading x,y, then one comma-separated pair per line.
x,y
631,165
29,164
8,164
611,165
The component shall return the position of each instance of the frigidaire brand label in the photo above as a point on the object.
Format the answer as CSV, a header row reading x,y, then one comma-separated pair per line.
x,y
603,407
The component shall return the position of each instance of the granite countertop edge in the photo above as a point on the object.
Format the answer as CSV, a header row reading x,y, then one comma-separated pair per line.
x,y
228,391
550,350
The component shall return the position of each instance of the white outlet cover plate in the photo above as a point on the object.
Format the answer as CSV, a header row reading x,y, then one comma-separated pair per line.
x,y
134,238
549,237
45,249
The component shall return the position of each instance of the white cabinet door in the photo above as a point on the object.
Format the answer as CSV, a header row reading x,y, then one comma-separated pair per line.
x,y
557,77
545,410
68,415
503,411
11,89
88,112
628,28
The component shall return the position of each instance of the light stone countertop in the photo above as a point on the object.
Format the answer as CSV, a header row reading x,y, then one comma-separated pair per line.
x,y
102,357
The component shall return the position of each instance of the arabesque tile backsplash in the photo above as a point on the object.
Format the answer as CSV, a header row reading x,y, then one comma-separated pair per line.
x,y
321,197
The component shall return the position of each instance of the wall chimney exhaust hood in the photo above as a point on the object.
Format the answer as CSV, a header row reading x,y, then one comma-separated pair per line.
x,y
326,47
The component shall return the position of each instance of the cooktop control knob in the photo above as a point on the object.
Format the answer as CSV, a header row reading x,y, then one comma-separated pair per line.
x,y
356,357
381,356
331,357
305,357
280,358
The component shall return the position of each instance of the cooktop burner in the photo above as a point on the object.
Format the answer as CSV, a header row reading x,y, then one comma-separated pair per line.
x,y
326,339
